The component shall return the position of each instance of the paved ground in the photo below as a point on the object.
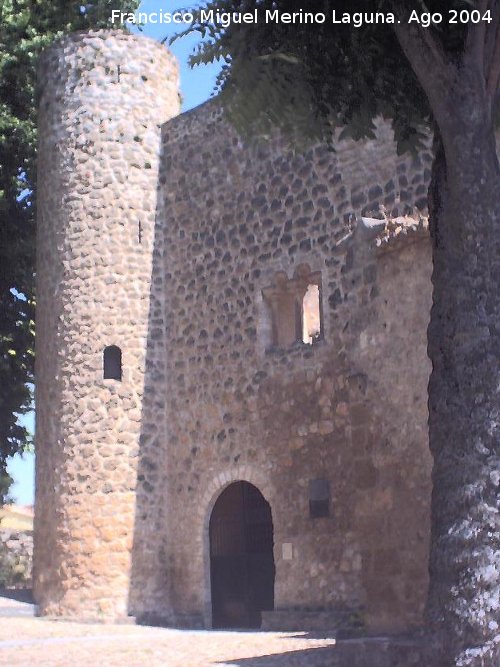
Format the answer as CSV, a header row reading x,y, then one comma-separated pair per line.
x,y
26,641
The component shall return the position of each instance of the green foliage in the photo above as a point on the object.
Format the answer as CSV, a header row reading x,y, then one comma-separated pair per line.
x,y
311,78
26,27
5,483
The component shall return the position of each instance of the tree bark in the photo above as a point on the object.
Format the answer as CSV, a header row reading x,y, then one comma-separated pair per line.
x,y
464,388
464,339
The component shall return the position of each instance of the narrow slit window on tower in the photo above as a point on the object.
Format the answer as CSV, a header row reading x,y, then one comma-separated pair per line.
x,y
112,363
319,498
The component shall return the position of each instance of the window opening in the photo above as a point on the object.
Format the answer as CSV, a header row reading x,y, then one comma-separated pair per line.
x,y
112,363
319,498
295,307
311,315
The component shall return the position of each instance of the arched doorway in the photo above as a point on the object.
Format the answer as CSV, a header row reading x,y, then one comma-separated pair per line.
x,y
241,557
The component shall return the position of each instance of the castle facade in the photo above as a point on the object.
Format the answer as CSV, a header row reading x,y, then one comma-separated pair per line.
x,y
231,361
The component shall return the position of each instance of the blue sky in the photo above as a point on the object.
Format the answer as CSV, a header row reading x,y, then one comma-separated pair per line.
x,y
196,86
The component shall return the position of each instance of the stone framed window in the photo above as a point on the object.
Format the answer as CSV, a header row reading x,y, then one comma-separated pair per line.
x,y
112,363
319,498
295,306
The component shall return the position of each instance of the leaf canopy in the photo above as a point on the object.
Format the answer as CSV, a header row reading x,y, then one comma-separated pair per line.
x,y
310,78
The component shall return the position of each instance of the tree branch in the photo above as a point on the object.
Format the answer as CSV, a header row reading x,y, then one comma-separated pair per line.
x,y
489,41
493,64
433,69
476,38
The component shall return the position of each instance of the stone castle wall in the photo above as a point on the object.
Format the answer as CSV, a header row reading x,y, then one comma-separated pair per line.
x,y
351,408
103,98
16,558
167,255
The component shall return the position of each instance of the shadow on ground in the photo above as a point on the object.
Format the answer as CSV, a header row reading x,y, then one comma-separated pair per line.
x,y
361,652
311,657
17,594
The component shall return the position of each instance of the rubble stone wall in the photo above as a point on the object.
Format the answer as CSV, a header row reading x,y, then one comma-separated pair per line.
x,y
16,558
104,96
165,246
350,408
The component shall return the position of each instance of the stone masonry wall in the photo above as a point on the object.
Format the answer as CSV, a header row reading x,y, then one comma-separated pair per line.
x,y
165,251
350,408
389,438
104,96
16,558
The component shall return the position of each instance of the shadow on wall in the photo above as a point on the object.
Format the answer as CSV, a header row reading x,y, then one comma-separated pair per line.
x,y
149,587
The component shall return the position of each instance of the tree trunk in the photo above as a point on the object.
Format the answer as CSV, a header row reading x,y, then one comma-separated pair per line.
x,y
464,391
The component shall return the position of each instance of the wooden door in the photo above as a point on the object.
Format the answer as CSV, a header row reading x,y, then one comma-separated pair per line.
x,y
241,557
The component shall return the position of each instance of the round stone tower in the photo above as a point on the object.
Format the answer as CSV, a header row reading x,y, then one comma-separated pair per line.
x,y
103,98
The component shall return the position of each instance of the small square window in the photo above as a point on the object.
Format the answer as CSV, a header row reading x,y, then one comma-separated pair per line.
x,y
319,498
